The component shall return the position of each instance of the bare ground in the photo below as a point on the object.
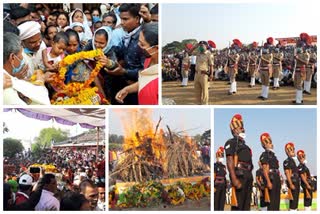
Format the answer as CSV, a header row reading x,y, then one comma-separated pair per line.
x,y
218,94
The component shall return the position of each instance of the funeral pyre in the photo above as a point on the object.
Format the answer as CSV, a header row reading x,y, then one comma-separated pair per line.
x,y
152,154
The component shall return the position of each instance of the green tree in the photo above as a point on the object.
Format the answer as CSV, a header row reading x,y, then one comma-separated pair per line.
x,y
11,147
47,135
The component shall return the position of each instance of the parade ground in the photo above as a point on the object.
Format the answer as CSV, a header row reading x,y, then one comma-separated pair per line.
x,y
218,94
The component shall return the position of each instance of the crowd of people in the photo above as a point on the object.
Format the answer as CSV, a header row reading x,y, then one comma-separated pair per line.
x,y
60,179
279,65
240,192
54,54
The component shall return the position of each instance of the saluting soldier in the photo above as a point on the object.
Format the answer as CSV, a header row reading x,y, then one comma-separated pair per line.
x,y
265,68
239,164
292,175
204,71
306,183
253,60
233,60
271,173
302,60
277,66
220,182
310,70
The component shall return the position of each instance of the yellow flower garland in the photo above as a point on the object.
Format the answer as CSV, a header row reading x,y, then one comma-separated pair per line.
x,y
77,92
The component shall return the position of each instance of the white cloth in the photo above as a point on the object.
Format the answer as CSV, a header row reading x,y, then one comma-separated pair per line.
x,y
29,29
34,61
47,202
193,59
38,94
109,44
87,30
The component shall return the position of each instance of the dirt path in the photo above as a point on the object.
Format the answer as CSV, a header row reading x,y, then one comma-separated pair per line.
x,y
245,95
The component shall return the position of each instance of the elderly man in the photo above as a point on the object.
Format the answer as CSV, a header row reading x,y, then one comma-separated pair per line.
x,y
33,45
17,91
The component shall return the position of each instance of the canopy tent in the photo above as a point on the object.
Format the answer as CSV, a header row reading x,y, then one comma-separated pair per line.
x,y
89,118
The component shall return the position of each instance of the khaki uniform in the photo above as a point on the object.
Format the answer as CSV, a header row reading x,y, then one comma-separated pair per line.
x,y
300,75
277,68
265,73
309,73
203,63
300,70
233,70
253,58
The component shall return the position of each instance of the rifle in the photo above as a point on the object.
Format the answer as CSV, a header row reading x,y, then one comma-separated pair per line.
x,y
295,62
234,201
260,56
226,65
307,191
290,196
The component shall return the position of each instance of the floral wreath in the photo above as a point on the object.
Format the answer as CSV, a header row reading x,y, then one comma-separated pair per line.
x,y
74,88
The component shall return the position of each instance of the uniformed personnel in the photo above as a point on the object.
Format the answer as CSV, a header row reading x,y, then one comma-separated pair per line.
x,y
306,183
239,164
253,60
310,70
220,182
233,60
271,173
204,71
261,185
302,60
265,69
185,68
292,175
277,66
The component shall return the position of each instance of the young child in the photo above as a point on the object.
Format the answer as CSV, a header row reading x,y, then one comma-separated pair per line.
x,y
51,56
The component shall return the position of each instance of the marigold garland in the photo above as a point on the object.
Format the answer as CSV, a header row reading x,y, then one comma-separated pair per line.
x,y
76,92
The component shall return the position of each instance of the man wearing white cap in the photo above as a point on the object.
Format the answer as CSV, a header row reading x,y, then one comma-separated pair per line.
x,y
25,188
30,36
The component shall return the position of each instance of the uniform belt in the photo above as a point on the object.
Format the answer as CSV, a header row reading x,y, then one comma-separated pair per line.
x,y
253,64
295,175
231,66
264,68
245,166
276,64
203,72
309,66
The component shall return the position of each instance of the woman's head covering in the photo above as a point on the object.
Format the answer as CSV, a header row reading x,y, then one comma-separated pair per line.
x,y
87,30
109,42
77,24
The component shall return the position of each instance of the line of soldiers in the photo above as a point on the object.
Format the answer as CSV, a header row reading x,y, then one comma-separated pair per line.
x,y
239,165
267,60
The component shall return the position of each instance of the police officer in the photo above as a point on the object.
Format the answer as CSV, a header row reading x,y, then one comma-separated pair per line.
x,y
233,60
277,66
292,175
305,180
253,59
261,185
204,71
302,60
220,182
239,163
265,68
310,70
270,166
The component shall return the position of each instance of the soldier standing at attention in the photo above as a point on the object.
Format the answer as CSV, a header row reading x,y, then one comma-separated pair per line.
x,y
265,69
220,182
277,66
305,180
261,185
204,71
253,59
233,60
302,60
310,70
239,163
292,174
270,166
